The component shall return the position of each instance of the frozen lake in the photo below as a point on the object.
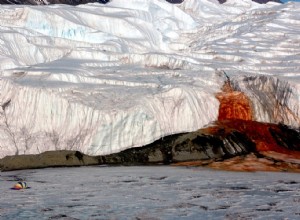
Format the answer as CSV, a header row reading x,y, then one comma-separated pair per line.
x,y
159,192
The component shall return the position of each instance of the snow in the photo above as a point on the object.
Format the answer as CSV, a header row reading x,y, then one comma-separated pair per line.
x,y
104,78
156,192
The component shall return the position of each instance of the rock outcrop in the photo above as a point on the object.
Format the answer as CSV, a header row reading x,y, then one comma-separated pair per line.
x,y
175,1
234,142
229,144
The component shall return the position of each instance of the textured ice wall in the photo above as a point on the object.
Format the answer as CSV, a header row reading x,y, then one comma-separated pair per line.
x,y
101,79
273,100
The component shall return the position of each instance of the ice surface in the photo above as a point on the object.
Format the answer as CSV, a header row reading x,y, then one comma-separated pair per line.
x,y
104,78
160,192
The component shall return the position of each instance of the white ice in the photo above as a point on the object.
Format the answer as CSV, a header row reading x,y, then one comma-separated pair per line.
x,y
104,78
159,192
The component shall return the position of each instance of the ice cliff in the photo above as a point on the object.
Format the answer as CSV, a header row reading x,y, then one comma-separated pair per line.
x,y
103,78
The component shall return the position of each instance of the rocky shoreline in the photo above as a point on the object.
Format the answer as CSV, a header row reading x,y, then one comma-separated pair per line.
x,y
235,142
238,145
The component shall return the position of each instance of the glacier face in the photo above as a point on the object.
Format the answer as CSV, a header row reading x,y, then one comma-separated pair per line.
x,y
103,78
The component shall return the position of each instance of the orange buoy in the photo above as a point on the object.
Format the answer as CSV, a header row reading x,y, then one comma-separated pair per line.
x,y
20,185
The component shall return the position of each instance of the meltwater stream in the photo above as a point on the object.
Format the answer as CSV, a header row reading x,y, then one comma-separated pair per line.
x,y
149,192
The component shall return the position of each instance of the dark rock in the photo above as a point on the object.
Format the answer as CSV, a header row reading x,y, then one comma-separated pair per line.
x,y
222,141
159,151
47,159
202,146
79,156
286,137
175,1
174,148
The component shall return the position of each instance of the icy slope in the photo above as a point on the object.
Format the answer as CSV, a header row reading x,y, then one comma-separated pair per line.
x,y
103,78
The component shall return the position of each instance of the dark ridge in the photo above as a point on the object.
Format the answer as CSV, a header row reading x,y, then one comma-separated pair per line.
x,y
222,141
171,149
79,156
175,1
286,137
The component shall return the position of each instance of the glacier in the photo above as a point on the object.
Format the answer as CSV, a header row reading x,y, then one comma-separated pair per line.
x,y
104,78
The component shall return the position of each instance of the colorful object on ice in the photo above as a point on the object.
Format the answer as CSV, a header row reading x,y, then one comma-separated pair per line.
x,y
20,185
